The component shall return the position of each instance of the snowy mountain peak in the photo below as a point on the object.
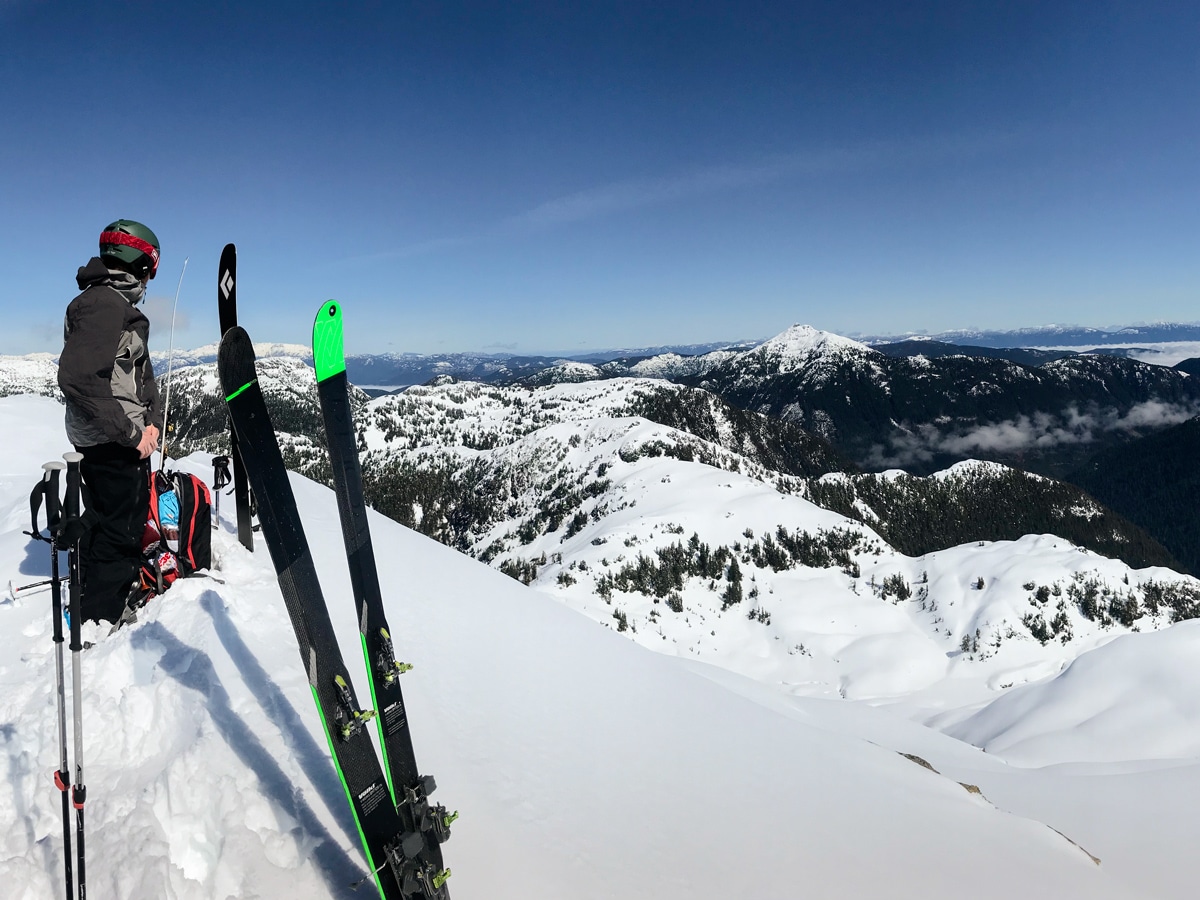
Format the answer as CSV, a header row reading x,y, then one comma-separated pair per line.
x,y
817,354
806,341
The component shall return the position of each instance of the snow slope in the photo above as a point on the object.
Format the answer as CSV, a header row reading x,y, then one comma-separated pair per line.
x,y
583,765
1136,697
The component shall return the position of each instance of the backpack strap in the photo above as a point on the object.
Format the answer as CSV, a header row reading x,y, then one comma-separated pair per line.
x,y
156,487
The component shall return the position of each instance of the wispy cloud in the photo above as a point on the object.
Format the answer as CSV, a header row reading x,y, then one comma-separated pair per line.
x,y
625,196
630,195
162,311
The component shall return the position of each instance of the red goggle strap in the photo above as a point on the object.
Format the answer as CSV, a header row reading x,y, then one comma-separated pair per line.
x,y
129,240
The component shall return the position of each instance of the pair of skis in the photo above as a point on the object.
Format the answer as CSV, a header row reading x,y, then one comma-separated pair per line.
x,y
63,525
400,829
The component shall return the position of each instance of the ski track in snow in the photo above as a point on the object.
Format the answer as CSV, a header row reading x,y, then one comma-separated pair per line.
x,y
583,765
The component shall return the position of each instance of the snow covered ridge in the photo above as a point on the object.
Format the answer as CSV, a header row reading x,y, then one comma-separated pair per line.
x,y
290,387
666,366
973,501
480,417
437,441
920,413
36,373
488,416
208,354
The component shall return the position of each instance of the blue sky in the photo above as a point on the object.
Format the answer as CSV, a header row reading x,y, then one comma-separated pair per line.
x,y
561,177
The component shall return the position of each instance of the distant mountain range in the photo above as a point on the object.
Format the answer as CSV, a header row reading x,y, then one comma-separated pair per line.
x,y
487,468
1056,336
803,404
384,372
921,414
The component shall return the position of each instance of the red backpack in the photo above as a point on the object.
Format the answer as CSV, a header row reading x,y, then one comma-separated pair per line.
x,y
177,548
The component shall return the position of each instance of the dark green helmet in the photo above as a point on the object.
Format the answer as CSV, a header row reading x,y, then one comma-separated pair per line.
x,y
132,245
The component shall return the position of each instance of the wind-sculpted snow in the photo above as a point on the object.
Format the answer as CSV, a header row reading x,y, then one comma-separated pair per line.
x,y
582,766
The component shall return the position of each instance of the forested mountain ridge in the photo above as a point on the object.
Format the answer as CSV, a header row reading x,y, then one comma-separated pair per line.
x,y
924,414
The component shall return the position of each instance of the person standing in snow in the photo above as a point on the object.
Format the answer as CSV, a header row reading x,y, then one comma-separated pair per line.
x,y
114,415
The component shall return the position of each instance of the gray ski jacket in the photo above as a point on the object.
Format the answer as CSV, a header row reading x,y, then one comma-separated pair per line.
x,y
105,371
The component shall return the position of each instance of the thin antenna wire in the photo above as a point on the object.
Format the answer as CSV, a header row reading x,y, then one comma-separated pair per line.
x,y
162,456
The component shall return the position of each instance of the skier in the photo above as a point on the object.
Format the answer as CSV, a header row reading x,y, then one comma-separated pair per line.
x,y
114,415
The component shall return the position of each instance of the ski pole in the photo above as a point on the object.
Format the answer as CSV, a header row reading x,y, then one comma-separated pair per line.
x,y
78,791
221,479
162,456
16,590
62,778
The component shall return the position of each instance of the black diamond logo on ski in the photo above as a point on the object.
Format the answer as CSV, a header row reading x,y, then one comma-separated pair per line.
x,y
227,284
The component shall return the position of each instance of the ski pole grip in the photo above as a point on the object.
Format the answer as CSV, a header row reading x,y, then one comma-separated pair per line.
x,y
70,521
73,481
53,502
36,497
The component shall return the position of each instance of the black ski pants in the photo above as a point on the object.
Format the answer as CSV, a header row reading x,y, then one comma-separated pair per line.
x,y
116,494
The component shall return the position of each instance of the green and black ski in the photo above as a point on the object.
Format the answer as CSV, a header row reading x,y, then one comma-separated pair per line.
x,y
397,855
410,789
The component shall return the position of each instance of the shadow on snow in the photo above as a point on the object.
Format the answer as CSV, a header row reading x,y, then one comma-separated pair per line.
x,y
194,670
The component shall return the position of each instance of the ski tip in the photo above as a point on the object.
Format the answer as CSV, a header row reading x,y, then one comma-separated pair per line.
x,y
225,271
328,352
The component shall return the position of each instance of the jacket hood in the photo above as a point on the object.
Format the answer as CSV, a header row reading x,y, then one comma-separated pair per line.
x,y
95,274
